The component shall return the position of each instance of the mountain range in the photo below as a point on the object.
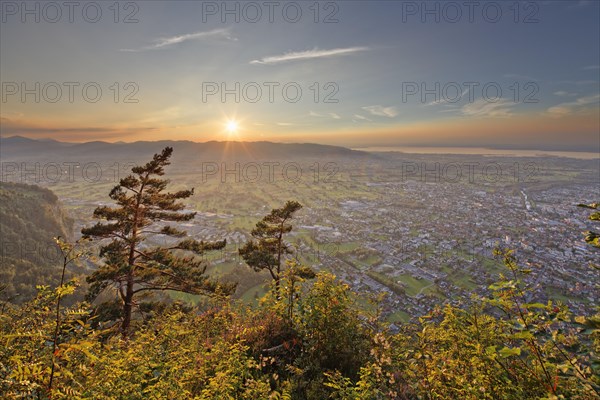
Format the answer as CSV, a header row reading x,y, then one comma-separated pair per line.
x,y
18,148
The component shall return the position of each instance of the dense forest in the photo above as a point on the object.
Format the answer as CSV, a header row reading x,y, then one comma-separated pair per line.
x,y
309,338
30,216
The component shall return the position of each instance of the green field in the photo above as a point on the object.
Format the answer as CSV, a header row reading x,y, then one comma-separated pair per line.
x,y
398,316
414,286
254,294
459,278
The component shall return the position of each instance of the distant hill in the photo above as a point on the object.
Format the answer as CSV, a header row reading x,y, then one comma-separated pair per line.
x,y
30,217
18,149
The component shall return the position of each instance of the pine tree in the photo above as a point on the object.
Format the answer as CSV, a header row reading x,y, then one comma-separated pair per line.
x,y
267,251
130,265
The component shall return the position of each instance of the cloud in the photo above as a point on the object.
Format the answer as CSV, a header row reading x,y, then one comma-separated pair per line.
x,y
9,127
308,55
578,83
284,124
316,114
162,43
518,76
382,111
573,106
591,67
443,99
450,109
562,93
361,117
484,108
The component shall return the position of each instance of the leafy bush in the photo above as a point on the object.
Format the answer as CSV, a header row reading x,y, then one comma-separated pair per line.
x,y
497,347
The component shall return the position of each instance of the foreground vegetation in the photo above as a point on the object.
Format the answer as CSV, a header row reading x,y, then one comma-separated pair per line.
x,y
309,338
313,343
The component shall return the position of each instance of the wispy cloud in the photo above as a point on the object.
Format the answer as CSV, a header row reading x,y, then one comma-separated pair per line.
x,y
450,108
573,106
518,76
162,43
360,117
10,127
316,114
591,67
308,55
578,83
444,100
562,93
381,111
484,108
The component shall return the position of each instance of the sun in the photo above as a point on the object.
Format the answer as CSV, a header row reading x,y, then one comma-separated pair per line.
x,y
232,127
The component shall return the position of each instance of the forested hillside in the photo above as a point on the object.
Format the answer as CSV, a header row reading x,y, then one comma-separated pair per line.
x,y
30,217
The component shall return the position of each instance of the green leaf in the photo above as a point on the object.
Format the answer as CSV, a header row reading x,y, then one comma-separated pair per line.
x,y
507,352
534,305
490,350
522,335
526,271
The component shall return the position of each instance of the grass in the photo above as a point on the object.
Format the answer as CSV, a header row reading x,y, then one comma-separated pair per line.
x,y
254,294
348,247
398,316
369,261
557,294
402,283
413,285
459,278
243,223
185,297
221,269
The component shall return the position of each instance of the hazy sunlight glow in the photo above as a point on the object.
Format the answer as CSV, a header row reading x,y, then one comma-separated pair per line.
x,y
231,127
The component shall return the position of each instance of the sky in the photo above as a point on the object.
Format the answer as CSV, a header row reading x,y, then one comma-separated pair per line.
x,y
350,73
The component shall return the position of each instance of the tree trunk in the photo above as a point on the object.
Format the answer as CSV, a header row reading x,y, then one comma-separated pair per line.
x,y
127,306
279,251
277,291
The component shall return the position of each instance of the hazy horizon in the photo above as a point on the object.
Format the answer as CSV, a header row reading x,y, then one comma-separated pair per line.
x,y
424,149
